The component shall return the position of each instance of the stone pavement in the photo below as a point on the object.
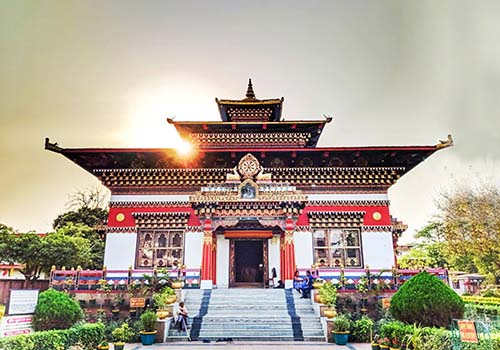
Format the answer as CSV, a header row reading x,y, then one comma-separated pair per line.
x,y
249,346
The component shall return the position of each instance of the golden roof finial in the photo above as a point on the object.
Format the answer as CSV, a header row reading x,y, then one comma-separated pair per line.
x,y
250,93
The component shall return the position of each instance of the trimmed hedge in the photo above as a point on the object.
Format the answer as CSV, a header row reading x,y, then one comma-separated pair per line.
x,y
427,301
56,310
87,335
431,338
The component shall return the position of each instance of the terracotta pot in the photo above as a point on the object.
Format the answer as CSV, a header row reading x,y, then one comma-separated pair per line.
x,y
177,285
162,314
330,313
171,299
317,298
318,284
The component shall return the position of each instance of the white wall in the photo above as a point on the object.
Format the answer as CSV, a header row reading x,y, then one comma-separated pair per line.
x,y
377,250
120,251
222,262
274,257
303,249
193,249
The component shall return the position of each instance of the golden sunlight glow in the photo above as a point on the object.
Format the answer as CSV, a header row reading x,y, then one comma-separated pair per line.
x,y
184,148
149,106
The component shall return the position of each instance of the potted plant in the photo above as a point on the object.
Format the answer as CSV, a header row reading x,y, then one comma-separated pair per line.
x,y
362,288
122,335
318,282
177,283
341,329
163,298
328,295
104,345
414,339
384,343
395,344
148,327
374,343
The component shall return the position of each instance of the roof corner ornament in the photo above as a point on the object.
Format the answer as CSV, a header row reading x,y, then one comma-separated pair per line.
x,y
446,143
52,146
328,118
250,94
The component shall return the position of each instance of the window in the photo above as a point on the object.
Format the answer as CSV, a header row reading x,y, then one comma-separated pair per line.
x,y
337,247
160,248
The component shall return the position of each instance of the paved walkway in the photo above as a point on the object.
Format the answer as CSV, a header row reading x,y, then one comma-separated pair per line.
x,y
249,346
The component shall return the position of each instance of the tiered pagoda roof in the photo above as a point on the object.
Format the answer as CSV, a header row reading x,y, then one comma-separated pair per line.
x,y
285,149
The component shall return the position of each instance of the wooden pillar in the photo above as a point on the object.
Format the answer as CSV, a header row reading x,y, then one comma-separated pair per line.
x,y
288,265
207,260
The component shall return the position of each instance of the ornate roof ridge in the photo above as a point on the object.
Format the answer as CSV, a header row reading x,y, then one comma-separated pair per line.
x,y
183,204
342,212
161,213
348,202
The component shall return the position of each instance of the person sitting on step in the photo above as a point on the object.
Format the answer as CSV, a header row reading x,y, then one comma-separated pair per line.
x,y
182,318
306,286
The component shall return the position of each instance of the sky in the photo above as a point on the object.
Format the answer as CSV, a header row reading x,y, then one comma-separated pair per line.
x,y
109,73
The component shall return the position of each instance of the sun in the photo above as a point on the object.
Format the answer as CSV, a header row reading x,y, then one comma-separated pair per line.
x,y
184,148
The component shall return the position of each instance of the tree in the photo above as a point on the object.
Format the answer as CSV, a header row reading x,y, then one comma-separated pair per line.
x,y
92,217
37,254
94,240
430,251
471,228
85,219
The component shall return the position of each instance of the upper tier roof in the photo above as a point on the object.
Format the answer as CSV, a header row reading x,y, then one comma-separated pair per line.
x,y
251,134
250,108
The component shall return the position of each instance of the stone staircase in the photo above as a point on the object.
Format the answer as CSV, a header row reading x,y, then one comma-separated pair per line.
x,y
251,314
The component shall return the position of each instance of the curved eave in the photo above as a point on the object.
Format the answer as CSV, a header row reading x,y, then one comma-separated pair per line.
x,y
92,159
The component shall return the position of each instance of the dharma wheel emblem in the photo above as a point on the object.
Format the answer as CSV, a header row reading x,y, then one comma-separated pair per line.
x,y
248,166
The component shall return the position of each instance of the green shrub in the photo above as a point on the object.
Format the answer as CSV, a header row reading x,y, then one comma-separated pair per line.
x,y
341,323
328,294
427,301
415,337
86,335
123,334
148,321
56,310
436,339
361,330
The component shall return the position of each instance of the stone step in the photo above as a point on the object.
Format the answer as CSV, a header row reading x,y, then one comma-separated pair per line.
x,y
252,314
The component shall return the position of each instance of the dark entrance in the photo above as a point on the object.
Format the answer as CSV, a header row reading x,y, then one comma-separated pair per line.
x,y
248,268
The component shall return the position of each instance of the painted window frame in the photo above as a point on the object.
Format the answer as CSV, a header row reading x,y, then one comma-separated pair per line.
x,y
341,253
151,252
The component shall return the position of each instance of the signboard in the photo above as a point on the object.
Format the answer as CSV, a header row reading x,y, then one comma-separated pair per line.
x,y
23,301
15,325
2,312
467,331
386,303
137,302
